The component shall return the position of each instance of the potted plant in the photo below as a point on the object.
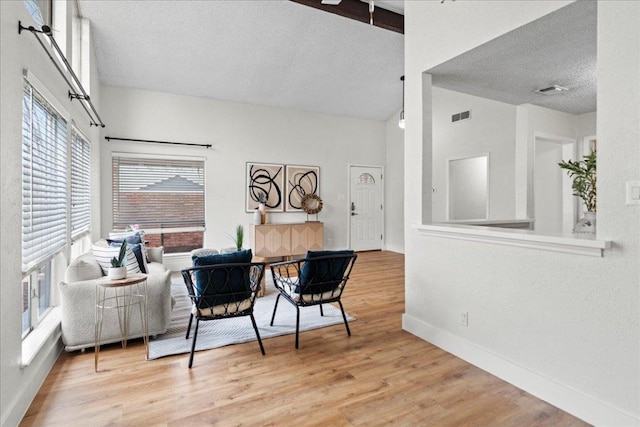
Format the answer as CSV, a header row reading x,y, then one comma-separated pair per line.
x,y
583,174
118,269
239,237
238,240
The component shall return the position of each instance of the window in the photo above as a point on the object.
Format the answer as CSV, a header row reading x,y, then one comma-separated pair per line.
x,y
163,196
44,200
80,185
40,11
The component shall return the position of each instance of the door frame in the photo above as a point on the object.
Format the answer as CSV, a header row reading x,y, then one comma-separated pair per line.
x,y
384,202
570,204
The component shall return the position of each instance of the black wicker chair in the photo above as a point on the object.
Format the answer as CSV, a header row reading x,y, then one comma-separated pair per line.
x,y
318,279
222,291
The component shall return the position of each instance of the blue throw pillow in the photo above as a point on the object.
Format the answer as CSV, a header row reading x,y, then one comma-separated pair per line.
x,y
136,248
228,258
322,275
224,285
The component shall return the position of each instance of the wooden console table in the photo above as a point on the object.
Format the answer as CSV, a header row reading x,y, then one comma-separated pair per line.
x,y
286,240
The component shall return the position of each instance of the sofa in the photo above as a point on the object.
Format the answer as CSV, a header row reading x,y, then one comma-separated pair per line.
x,y
78,300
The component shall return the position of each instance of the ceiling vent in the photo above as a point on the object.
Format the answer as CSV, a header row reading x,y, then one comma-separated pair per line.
x,y
464,115
551,90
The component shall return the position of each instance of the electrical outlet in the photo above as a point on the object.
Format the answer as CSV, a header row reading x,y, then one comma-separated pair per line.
x,y
329,242
464,318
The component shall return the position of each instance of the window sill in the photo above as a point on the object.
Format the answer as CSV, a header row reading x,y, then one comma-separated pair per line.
x,y
35,341
573,243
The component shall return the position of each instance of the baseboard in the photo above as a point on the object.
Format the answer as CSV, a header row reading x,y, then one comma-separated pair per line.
x,y
587,408
394,248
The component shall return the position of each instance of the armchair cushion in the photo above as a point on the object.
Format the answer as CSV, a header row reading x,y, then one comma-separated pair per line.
x,y
228,284
328,271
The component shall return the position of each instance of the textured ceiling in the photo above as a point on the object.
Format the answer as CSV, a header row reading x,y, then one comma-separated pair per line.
x,y
275,53
559,48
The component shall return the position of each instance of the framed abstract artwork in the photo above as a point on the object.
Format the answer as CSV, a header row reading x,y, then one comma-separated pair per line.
x,y
265,181
301,180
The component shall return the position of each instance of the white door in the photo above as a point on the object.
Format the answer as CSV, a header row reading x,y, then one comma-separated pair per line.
x,y
366,208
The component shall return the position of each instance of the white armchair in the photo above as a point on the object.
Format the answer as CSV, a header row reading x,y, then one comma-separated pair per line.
x,y
78,297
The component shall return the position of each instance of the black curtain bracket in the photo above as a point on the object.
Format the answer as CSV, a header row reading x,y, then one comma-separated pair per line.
x,y
73,94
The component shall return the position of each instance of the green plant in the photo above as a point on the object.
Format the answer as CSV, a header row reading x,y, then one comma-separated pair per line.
x,y
583,174
239,236
119,261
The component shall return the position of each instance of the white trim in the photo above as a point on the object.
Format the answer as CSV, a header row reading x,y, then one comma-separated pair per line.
x,y
586,144
516,237
147,156
33,343
51,99
583,406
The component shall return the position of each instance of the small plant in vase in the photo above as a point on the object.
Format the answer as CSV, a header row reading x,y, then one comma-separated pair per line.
x,y
583,174
118,269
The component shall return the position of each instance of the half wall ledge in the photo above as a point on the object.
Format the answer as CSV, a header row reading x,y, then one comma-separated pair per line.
x,y
573,244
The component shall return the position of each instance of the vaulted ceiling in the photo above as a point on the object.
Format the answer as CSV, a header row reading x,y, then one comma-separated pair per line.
x,y
286,54
274,53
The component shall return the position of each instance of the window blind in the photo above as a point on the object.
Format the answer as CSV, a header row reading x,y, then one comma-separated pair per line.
x,y
44,179
80,185
158,193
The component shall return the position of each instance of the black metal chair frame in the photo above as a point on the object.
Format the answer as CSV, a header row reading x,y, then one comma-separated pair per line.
x,y
286,278
228,303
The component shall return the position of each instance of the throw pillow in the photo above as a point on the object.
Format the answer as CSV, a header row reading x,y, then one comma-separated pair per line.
x,y
137,249
228,285
228,258
326,273
133,237
104,254
80,270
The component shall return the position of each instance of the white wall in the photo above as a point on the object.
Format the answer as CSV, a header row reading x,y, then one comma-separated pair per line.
x,y
394,186
563,327
241,133
19,384
491,131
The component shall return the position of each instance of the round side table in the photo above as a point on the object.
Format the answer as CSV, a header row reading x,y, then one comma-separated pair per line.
x,y
127,292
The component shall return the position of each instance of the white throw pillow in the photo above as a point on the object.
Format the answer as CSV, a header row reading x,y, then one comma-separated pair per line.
x,y
104,254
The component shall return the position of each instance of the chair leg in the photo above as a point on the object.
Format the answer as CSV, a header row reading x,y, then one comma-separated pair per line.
x,y
255,328
275,307
346,324
193,344
189,326
321,312
297,323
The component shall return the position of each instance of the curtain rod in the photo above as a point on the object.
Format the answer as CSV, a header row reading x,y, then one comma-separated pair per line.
x,y
109,138
73,94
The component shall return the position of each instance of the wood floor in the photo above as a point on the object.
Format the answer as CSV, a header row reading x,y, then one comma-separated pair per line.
x,y
380,375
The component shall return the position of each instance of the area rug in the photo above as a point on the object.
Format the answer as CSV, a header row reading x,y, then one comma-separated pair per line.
x,y
219,333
